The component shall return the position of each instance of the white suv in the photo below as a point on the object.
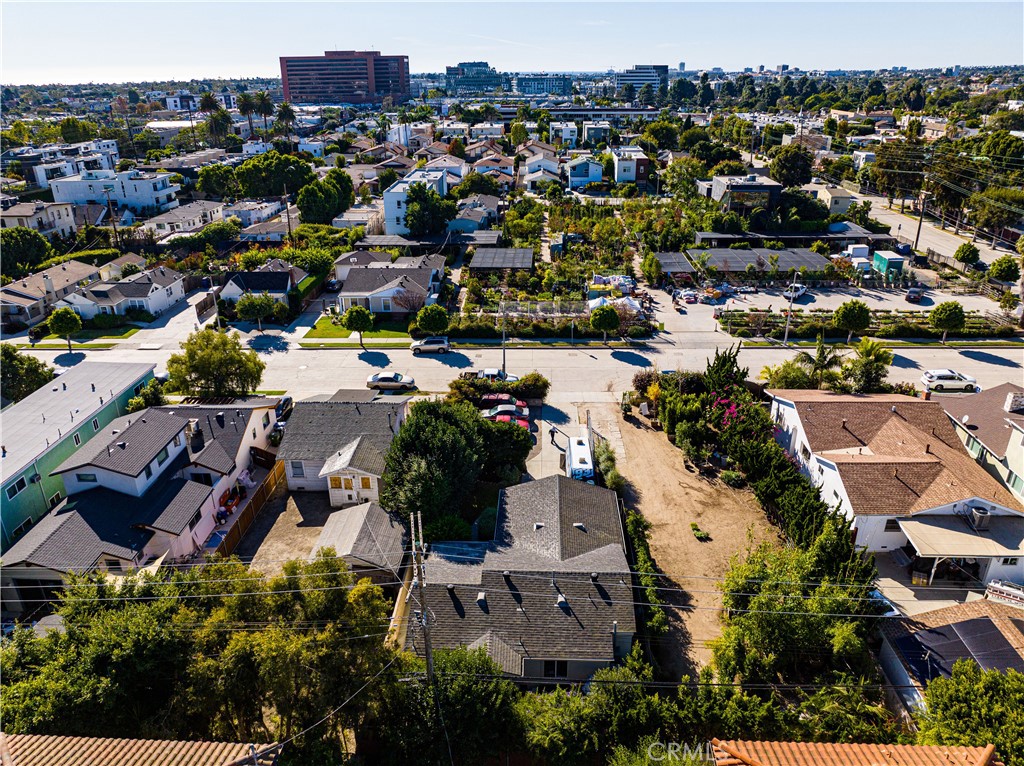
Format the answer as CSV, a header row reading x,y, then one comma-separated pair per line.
x,y
435,344
948,380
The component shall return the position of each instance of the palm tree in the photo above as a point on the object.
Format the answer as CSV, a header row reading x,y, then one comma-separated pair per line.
x,y
383,126
208,103
247,108
264,108
823,363
872,351
286,115
219,123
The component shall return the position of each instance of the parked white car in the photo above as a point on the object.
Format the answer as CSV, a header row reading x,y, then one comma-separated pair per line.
x,y
794,291
389,380
433,344
948,380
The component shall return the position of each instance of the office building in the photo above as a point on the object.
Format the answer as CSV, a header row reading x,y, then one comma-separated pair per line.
x,y
542,84
474,77
642,74
344,77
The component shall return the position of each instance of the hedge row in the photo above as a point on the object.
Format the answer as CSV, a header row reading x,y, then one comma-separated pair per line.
x,y
532,385
883,325
462,326
637,528
100,257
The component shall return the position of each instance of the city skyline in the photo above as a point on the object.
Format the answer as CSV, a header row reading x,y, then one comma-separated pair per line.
x,y
770,34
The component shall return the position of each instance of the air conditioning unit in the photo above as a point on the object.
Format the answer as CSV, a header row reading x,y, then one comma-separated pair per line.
x,y
980,518
35,478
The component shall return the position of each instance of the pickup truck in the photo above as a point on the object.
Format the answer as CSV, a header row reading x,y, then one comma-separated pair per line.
x,y
491,374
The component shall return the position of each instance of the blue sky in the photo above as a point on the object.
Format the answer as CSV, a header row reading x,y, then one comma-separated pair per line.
x,y
144,40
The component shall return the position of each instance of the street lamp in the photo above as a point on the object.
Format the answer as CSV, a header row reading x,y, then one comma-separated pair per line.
x,y
789,313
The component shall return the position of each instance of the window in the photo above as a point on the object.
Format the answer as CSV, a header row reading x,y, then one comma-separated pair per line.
x,y
1016,482
556,668
364,482
95,424
86,478
254,434
78,440
892,525
161,456
196,518
148,471
297,469
804,452
169,291
1010,562
348,483
55,500
177,441
266,419
385,304
112,565
15,488
21,529
335,482
138,389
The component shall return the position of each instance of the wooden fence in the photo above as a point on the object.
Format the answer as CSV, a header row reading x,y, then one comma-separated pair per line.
x,y
247,515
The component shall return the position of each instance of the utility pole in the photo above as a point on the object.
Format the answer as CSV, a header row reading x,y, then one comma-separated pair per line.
x,y
288,214
113,218
503,325
920,218
789,313
416,520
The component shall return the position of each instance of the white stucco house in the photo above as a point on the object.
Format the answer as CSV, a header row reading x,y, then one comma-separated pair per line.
x,y
154,291
144,193
895,467
396,195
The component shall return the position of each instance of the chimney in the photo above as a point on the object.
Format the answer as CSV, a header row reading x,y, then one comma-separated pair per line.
x,y
1014,402
48,283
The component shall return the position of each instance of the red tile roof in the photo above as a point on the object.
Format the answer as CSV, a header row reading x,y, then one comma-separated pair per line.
x,y
55,750
737,753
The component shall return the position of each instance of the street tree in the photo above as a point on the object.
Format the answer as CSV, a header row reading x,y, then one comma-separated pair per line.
x,y
852,316
214,363
967,253
822,364
792,166
604,319
358,319
866,372
264,108
255,307
996,208
432,319
948,317
1005,268
426,212
21,374
246,105
65,323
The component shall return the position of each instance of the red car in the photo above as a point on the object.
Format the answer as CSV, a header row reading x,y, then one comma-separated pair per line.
x,y
493,400
521,422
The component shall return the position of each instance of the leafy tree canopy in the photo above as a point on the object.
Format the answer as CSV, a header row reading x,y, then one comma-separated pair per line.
x,y
213,363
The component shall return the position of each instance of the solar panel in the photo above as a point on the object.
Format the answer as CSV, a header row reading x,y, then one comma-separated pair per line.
x,y
932,653
503,258
674,263
988,645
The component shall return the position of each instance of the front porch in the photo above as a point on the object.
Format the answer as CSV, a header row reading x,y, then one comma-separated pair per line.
x,y
909,590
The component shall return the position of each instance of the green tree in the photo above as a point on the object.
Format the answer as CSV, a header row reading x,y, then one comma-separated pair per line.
x,y
21,374
627,92
948,317
787,374
1008,302
681,176
286,115
318,202
646,95
728,168
426,212
967,253
358,319
218,181
255,307
152,395
130,269
976,707
457,149
1005,268
74,130
385,179
791,166
853,710
433,319
264,108
246,105
214,363
604,319
518,134
208,103
867,370
822,364
21,250
820,247
852,316
996,208
342,181
268,175
476,183
65,323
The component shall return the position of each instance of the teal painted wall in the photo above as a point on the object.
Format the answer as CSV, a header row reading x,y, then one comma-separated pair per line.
x,y
34,501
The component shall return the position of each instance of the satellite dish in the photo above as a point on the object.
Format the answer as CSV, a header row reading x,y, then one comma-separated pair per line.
x,y
964,419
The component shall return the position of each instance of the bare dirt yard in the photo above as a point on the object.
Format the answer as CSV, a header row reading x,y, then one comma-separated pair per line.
x,y
671,497
287,528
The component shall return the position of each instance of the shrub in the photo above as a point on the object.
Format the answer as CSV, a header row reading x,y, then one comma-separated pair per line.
x,y
734,479
699,533
639,331
643,379
615,481
637,529
140,316
447,528
107,321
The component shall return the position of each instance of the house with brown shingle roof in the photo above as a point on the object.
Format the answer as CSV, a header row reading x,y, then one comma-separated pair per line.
x,y
58,750
896,468
991,426
739,753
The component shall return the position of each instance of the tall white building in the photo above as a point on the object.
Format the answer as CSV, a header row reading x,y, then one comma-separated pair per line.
x,y
396,196
143,193
42,164
641,75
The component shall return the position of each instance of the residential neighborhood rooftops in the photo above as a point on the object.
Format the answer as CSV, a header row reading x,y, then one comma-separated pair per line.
x,y
60,750
318,431
993,416
219,430
128,444
113,291
262,281
67,274
746,753
39,420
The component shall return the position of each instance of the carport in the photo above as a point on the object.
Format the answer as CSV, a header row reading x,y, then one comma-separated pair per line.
x,y
942,538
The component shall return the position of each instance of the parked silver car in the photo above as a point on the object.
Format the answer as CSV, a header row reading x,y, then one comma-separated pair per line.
x,y
389,380
435,344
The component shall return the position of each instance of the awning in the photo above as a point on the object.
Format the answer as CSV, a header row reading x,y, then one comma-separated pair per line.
x,y
952,537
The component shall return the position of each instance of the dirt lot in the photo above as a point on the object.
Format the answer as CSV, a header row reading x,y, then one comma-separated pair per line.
x,y
287,528
671,497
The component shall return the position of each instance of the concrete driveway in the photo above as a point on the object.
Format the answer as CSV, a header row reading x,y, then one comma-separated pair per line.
x,y
174,326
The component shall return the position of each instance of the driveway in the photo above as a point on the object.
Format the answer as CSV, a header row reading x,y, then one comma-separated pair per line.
x,y
174,326
287,528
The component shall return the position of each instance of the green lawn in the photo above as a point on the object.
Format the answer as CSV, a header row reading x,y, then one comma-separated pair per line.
x,y
64,346
93,333
382,328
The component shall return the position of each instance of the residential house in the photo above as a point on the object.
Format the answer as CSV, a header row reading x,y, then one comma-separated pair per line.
x,y
501,168
399,163
631,166
467,220
355,259
187,165
369,215
90,215
316,148
186,219
835,198
54,749
860,159
43,164
812,142
991,426
487,203
277,284
393,288
758,753
28,300
153,291
447,129
252,148
51,219
536,180
563,133
250,212
396,195
143,193
48,426
456,167
742,193
152,486
369,539
564,534
431,151
277,264
915,650
582,171
533,146
339,448
539,161
480,149
113,269
895,467
596,132
484,130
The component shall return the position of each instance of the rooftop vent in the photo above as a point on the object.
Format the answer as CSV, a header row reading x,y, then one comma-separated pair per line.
x,y
451,588
580,525
538,525
481,598
560,601
122,445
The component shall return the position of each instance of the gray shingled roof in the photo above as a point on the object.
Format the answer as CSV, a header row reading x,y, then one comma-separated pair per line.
x,y
372,280
262,281
227,424
135,286
366,533
317,431
140,436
